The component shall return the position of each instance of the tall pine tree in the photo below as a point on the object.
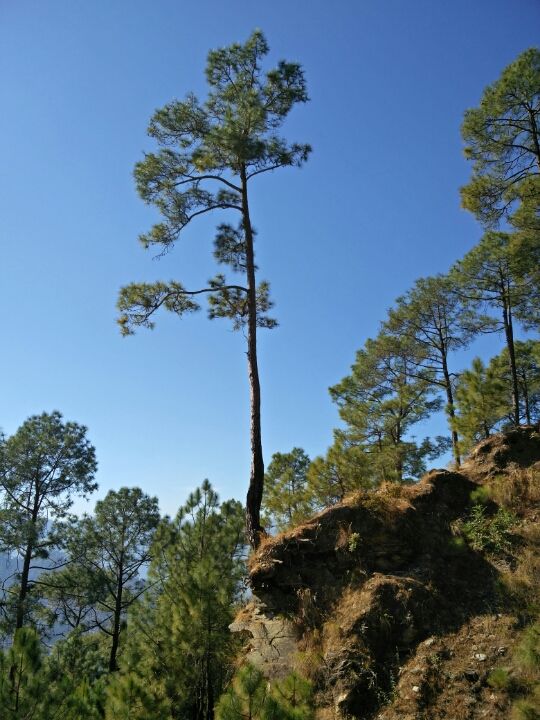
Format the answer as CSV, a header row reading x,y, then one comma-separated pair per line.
x,y
210,154
381,401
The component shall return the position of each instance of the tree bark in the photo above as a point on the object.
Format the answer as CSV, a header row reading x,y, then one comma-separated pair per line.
x,y
509,335
451,410
113,665
23,590
256,479
525,394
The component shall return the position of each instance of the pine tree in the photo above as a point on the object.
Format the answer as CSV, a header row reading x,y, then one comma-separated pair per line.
x,y
22,680
179,646
134,693
209,155
42,466
502,137
248,697
381,401
482,404
343,470
108,552
528,376
34,686
285,501
492,274
77,668
252,697
433,317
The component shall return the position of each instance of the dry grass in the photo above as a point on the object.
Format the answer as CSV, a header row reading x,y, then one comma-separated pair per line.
x,y
518,489
310,656
326,713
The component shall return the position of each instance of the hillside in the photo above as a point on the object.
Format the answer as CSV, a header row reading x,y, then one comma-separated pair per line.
x,y
413,601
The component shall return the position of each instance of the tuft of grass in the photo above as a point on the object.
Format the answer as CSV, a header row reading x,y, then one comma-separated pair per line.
x,y
482,495
499,679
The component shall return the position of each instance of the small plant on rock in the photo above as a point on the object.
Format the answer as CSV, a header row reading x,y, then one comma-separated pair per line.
x,y
489,533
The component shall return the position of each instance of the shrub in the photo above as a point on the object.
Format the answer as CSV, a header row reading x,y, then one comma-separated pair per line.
x,y
489,533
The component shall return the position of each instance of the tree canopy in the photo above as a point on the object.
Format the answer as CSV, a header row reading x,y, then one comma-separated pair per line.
x,y
502,137
42,466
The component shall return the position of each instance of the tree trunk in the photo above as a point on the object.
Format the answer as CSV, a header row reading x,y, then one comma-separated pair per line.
x,y
113,665
525,394
23,590
451,410
399,462
509,335
256,480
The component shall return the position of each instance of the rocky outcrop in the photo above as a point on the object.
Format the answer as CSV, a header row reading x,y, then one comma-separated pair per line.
x,y
384,531
351,595
494,455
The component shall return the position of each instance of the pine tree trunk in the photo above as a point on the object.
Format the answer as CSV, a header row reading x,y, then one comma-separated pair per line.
x,y
509,335
25,574
451,410
526,402
113,665
256,480
23,590
399,463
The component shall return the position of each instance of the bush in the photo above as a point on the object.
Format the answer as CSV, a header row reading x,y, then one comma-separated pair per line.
x,y
489,533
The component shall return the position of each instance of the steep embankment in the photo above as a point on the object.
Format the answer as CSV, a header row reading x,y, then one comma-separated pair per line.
x,y
409,602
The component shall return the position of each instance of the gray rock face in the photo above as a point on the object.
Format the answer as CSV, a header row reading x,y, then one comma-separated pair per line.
x,y
272,641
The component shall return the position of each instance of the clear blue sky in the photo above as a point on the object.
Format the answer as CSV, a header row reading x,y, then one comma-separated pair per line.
x,y
376,207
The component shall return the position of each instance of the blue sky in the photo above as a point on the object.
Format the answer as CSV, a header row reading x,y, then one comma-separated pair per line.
x,y
376,207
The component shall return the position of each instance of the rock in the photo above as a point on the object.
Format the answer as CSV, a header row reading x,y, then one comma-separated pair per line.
x,y
272,643
481,657
493,455
415,689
